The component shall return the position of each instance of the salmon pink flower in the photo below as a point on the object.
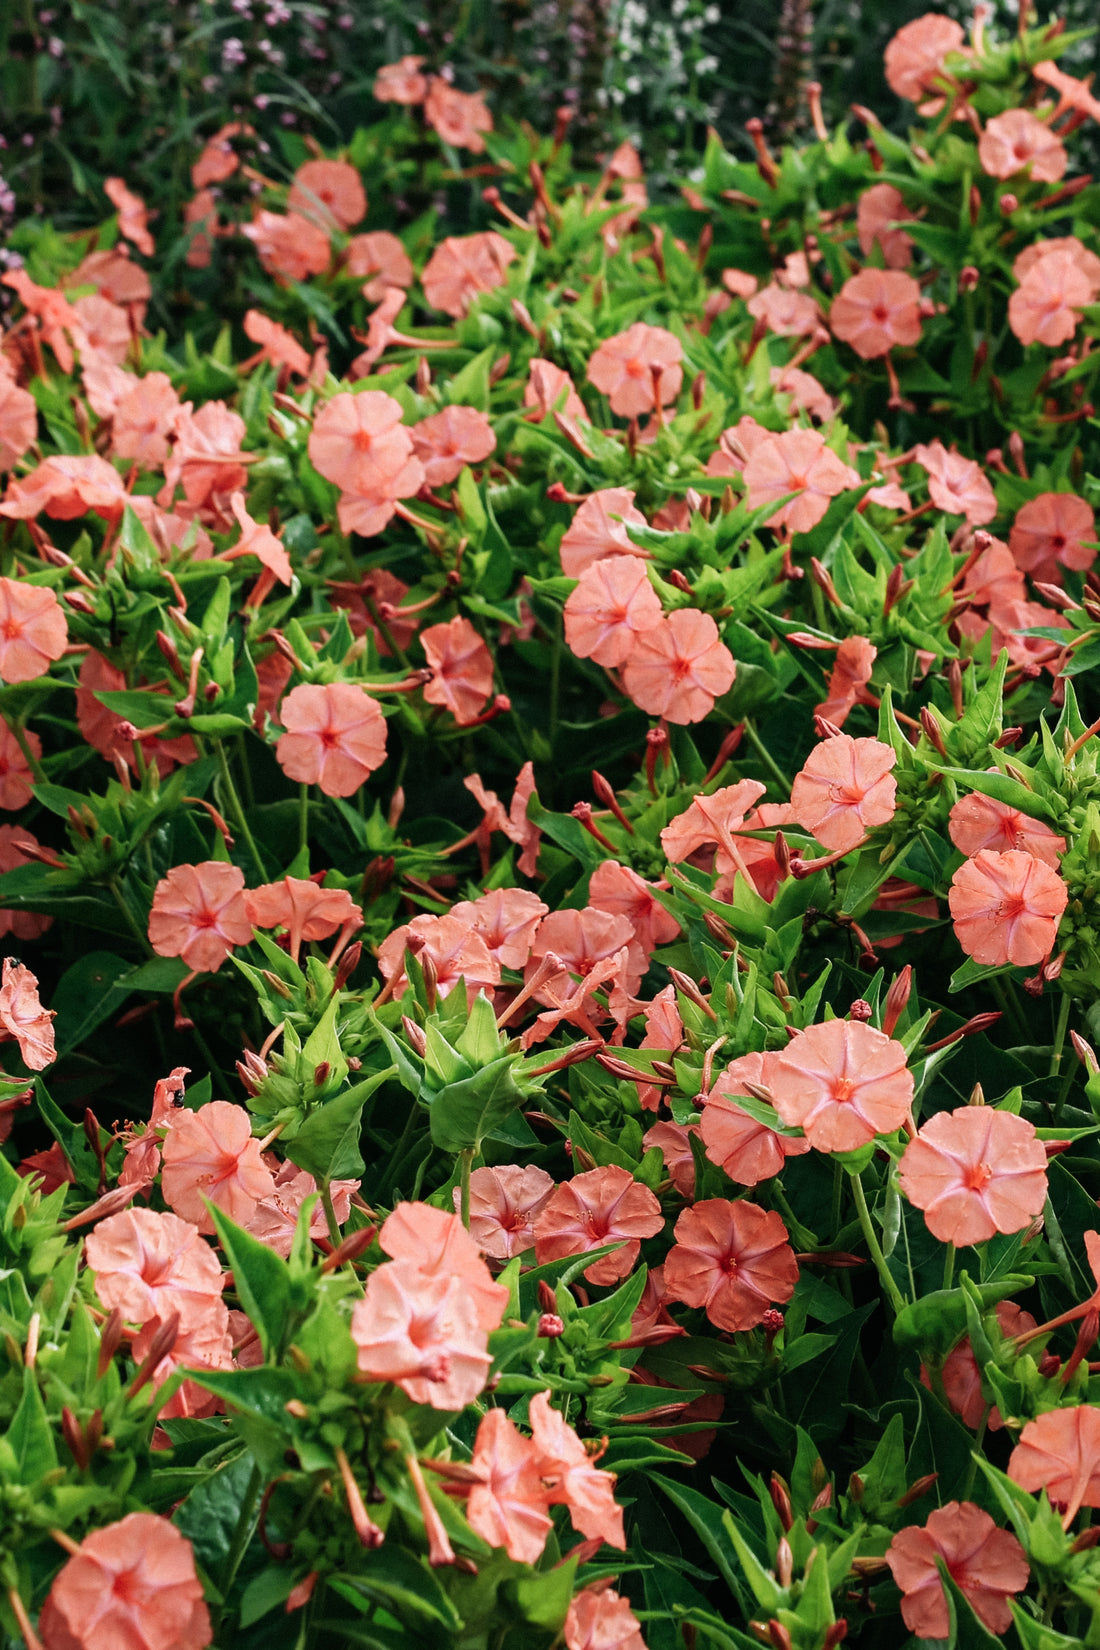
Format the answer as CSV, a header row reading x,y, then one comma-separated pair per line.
x,y
335,736
275,1218
624,367
571,1477
108,733
583,940
210,1155
598,1619
16,778
797,461
23,1019
503,1205
219,159
200,217
449,440
546,384
441,1247
104,330
462,668
303,910
457,952
277,345
150,1265
33,630
1072,93
879,211
673,1141
1053,531
462,266
784,312
612,605
806,394
977,822
358,442
143,418
199,914
133,215
679,667
844,789
855,658
1006,907
131,1583
664,1031
208,1346
1017,140
25,925
1060,1452
459,118
842,1083
258,540
288,244
733,1260
1087,262
621,892
18,421
65,487
916,55
506,919
956,484
746,1150
421,1332
207,459
987,1565
380,259
401,82
712,820
329,193
975,1172
599,529
601,1206
962,1377
507,1506
1044,308
113,273
877,311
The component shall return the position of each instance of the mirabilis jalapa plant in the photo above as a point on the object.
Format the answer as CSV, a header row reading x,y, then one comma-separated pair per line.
x,y
551,707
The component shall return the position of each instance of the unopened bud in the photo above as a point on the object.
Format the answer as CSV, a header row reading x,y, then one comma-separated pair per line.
x,y
252,1071
930,726
915,1491
1085,1053
860,1010
551,1326
897,999
784,1562
968,278
415,1035
321,1074
1008,204
347,965
781,1501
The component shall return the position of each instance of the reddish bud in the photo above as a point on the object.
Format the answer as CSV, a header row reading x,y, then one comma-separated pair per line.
x,y
897,999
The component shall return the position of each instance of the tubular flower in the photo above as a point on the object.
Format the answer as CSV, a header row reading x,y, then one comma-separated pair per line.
x,y
1018,139
335,736
1006,907
679,667
421,1332
613,604
132,1584
732,1259
457,952
210,1156
916,55
975,1172
507,1507
599,529
876,311
842,1082
302,909
503,1205
956,484
25,925
449,440
880,210
459,118
713,820
545,387
276,1217
797,461
602,1206
598,1619
440,1246
855,658
624,368
462,668
1053,531
506,919
199,914
328,193
18,421
987,1565
150,1265
745,1149
462,266
23,1018
1060,1452
571,1478
621,892
33,630
978,822
1045,307
844,789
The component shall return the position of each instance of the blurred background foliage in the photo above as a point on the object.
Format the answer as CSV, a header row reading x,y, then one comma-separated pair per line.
x,y
94,88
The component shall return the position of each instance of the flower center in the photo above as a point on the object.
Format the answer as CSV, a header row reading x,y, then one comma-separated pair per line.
x,y
977,1177
843,1090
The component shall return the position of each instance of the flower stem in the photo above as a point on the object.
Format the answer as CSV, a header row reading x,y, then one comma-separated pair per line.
x,y
237,810
894,1294
303,816
766,757
465,1163
948,1266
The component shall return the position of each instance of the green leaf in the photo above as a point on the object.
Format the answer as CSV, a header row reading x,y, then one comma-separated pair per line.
x,y
934,1323
261,1280
327,1144
30,1436
705,1518
393,1577
463,1113
86,996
